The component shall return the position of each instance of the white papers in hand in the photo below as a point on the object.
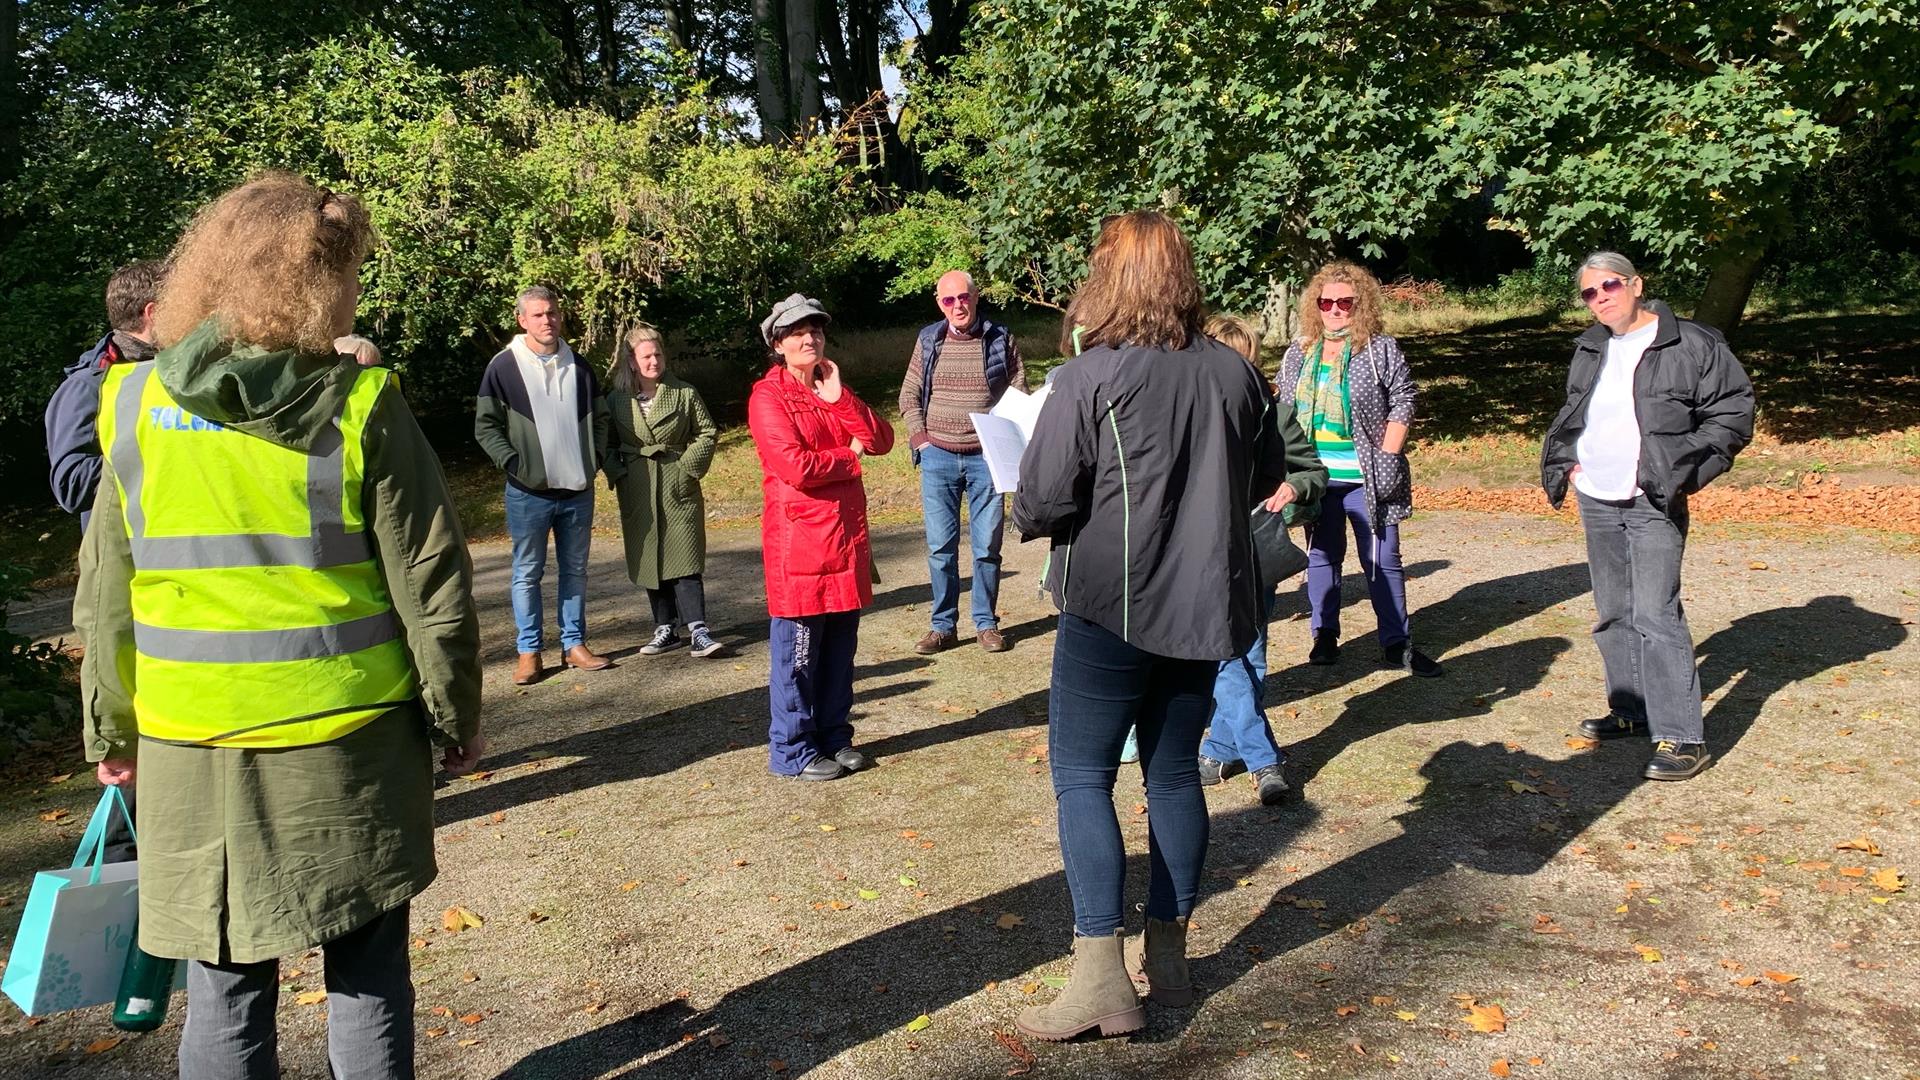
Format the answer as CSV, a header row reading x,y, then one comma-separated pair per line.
x,y
1004,432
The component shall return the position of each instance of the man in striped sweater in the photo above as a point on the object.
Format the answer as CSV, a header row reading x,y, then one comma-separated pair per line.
x,y
961,364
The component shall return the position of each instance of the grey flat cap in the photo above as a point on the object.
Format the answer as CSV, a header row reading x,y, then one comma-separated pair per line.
x,y
793,309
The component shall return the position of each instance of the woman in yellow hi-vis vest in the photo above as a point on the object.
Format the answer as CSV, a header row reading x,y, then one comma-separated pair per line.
x,y
276,602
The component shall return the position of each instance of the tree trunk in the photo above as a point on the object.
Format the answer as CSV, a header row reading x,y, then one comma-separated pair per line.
x,y
573,60
1729,286
770,70
609,49
946,22
681,26
1281,318
11,92
841,68
803,64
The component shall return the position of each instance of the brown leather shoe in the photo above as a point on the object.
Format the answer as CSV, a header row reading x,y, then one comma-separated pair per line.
x,y
585,659
527,671
934,641
991,640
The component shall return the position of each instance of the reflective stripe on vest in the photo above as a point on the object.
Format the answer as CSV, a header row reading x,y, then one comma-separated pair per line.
x,y
260,616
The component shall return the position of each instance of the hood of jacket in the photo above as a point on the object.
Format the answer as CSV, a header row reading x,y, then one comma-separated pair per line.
x,y
286,397
126,348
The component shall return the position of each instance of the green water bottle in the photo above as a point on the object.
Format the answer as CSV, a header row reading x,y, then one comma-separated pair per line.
x,y
146,982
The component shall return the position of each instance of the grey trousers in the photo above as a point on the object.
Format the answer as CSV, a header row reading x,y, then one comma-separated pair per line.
x,y
1634,553
230,1032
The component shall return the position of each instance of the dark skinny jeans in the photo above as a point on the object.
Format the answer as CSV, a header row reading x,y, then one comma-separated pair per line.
x,y
1101,687
680,601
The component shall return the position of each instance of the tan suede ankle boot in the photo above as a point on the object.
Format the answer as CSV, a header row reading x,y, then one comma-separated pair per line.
x,y
1098,994
1157,963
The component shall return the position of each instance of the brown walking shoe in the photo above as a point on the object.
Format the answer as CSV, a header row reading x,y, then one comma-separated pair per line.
x,y
991,639
585,659
526,671
934,641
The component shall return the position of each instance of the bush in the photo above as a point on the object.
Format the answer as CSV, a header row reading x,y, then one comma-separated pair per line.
x,y
36,679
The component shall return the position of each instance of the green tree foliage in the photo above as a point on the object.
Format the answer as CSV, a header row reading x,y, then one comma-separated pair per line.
x,y
1279,133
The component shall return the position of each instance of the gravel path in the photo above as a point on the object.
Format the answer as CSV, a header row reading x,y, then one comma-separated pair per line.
x,y
656,905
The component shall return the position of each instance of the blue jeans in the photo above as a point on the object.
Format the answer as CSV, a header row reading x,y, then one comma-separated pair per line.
x,y
1327,550
810,688
946,478
1240,729
1634,553
529,518
1102,686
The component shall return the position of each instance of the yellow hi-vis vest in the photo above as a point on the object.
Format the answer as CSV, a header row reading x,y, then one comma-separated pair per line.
x,y
260,618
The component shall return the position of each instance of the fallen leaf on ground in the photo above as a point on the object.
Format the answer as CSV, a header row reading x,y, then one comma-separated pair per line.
x,y
1544,924
1500,1067
1008,921
908,834
1346,1010
1853,871
61,779
102,1045
1781,976
469,1042
907,881
718,1040
920,1023
1679,839
1023,1057
311,997
458,918
1648,953
1381,1001
829,828
1408,1015
1487,1018
434,1033
1522,789
1575,742
471,1019
838,905
629,886
55,815
1858,843
1889,879
594,1008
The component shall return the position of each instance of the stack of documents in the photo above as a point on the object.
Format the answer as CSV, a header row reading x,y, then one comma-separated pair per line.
x,y
1005,431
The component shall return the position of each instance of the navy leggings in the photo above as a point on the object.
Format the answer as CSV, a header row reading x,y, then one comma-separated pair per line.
x,y
1101,687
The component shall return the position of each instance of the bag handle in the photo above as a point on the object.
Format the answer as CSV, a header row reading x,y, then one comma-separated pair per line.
x,y
95,838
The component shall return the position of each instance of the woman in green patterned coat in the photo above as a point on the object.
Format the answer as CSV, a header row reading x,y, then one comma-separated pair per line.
x,y
280,696
663,440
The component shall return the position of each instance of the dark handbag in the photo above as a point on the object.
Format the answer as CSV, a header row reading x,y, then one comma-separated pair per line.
x,y
1275,555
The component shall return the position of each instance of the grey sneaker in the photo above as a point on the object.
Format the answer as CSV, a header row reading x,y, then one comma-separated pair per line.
x,y
1271,782
704,645
663,640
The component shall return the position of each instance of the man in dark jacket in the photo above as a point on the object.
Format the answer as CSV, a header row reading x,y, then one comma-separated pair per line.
x,y
73,447
1657,407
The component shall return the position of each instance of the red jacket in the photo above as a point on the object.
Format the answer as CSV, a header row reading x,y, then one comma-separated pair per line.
x,y
813,532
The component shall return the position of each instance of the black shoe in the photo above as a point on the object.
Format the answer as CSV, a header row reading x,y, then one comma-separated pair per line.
x,y
1326,648
853,760
1212,772
1677,761
822,768
1404,657
1611,726
1271,782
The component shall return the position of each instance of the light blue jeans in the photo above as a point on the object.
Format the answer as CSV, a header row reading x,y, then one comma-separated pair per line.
x,y
946,478
1240,729
530,518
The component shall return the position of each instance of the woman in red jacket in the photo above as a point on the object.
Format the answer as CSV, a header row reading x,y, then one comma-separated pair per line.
x,y
811,432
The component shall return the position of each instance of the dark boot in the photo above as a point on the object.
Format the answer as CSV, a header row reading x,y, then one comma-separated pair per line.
x,y
1612,726
1157,963
1098,995
1677,761
1326,649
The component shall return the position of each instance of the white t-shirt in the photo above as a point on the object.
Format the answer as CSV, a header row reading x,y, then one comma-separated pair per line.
x,y
553,392
1609,448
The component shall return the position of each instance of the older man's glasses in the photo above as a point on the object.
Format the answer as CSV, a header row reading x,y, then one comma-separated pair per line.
x,y
1344,303
1610,286
950,301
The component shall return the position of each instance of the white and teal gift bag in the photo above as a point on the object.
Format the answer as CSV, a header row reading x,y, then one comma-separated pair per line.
x,y
77,926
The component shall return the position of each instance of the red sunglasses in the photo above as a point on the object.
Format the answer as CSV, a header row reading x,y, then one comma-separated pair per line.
x,y
1344,303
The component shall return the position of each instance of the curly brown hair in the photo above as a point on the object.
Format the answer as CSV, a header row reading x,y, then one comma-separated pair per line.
x,y
1367,319
1141,288
273,260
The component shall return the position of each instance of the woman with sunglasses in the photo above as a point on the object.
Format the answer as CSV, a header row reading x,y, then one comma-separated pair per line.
x,y
1355,396
1657,407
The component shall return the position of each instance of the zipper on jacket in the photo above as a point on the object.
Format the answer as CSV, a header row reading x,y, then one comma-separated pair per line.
x,y
1126,533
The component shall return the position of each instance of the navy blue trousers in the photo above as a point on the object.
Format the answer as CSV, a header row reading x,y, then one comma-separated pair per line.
x,y
810,688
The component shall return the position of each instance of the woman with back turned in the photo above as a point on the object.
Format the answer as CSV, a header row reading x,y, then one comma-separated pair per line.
x,y
1143,469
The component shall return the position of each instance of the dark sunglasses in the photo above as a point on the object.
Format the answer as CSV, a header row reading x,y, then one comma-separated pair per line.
x,y
1344,303
949,301
1610,286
